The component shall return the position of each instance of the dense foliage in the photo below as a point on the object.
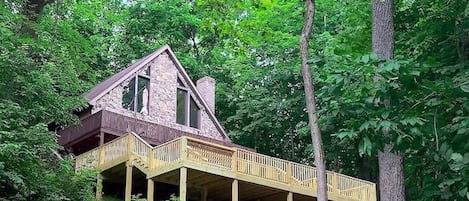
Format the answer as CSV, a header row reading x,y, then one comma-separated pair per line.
x,y
42,77
251,49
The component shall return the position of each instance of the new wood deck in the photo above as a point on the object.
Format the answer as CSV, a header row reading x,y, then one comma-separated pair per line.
x,y
240,166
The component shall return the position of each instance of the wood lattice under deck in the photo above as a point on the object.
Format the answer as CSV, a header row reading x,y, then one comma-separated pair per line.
x,y
211,167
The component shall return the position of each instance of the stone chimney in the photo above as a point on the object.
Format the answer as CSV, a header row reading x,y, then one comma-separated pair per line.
x,y
206,88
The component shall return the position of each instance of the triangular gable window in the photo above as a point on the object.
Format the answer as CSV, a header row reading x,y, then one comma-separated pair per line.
x,y
187,110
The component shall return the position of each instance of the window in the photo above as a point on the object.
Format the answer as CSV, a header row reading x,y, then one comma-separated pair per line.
x,y
181,106
187,111
194,114
128,94
135,94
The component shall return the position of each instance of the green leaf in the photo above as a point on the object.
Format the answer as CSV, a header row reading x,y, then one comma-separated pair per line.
x,y
385,114
433,102
345,134
399,140
365,58
465,88
415,73
457,157
392,66
462,192
365,146
385,124
364,126
374,56
314,60
412,121
448,182
448,154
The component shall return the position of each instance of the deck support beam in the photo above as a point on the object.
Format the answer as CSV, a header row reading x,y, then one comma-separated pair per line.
x,y
183,184
99,187
204,194
150,189
101,138
290,196
128,182
234,190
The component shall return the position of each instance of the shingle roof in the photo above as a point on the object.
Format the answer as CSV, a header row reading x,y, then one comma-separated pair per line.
x,y
107,85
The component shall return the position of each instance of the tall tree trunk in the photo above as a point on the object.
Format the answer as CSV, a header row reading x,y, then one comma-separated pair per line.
x,y
391,170
311,102
32,10
391,175
382,40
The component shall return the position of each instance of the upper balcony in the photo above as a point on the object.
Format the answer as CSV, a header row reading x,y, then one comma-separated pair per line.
x,y
216,164
104,126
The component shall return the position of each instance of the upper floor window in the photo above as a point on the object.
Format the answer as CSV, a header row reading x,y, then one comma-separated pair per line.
x,y
135,94
187,110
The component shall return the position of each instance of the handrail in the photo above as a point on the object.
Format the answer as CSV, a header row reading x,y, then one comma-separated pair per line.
x,y
212,155
237,160
141,139
210,144
99,147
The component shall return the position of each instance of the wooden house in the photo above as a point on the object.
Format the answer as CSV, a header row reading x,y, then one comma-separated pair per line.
x,y
152,132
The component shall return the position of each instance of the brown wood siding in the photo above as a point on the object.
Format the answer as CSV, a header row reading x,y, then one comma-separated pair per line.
x,y
117,124
89,125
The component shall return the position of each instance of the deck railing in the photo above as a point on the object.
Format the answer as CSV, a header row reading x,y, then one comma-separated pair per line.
x,y
166,154
132,147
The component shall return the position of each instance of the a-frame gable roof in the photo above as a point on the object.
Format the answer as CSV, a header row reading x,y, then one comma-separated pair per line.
x,y
107,85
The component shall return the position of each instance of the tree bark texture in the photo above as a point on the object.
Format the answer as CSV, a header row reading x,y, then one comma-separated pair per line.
x,y
311,102
391,175
391,170
383,29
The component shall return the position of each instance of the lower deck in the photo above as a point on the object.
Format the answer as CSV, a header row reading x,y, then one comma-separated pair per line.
x,y
200,186
196,170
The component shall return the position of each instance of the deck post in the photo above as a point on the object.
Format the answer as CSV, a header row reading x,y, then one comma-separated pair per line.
x,y
288,173
184,148
234,160
150,189
130,144
101,149
101,138
151,158
99,187
204,194
183,184
290,196
128,182
102,155
234,190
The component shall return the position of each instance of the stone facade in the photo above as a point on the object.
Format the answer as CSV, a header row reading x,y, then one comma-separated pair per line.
x,y
206,87
162,100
